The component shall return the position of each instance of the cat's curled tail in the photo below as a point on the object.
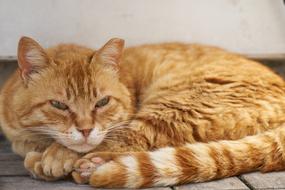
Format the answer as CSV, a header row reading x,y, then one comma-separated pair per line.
x,y
190,163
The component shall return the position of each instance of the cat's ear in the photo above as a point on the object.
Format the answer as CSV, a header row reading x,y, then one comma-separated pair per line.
x,y
111,52
31,57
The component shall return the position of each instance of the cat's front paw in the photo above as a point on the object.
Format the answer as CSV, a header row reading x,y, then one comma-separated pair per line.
x,y
85,166
104,169
57,161
33,164
54,163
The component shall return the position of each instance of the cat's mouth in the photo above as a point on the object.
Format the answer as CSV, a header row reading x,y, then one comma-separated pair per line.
x,y
78,142
81,148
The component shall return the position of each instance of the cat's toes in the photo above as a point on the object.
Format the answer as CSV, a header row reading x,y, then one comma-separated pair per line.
x,y
58,161
55,163
85,167
31,159
52,167
108,170
32,163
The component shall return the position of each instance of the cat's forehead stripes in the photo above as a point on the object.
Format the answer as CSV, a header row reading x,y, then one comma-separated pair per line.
x,y
80,81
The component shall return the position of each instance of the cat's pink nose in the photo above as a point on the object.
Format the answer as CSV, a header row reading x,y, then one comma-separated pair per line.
x,y
85,132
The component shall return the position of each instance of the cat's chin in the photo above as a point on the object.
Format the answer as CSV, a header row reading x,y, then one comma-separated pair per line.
x,y
81,148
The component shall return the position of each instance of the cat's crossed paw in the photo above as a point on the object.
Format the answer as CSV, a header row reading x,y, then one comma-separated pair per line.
x,y
99,169
85,167
54,163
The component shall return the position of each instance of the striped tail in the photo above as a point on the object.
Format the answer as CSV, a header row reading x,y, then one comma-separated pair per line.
x,y
191,163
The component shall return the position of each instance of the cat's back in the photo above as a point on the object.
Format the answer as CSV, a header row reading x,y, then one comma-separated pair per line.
x,y
154,61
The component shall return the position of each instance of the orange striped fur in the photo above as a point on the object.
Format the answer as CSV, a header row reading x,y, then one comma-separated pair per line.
x,y
151,115
189,163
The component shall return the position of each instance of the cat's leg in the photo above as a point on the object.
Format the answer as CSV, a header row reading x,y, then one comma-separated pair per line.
x,y
33,164
54,163
24,146
32,150
189,163
143,135
45,159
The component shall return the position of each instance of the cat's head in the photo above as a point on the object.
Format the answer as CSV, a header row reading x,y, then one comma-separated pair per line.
x,y
72,93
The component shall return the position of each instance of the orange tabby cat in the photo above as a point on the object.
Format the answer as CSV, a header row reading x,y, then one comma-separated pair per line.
x,y
215,113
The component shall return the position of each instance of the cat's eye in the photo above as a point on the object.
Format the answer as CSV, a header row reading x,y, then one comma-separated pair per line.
x,y
58,105
104,101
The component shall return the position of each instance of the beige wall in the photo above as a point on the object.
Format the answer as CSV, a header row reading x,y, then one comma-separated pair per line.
x,y
245,26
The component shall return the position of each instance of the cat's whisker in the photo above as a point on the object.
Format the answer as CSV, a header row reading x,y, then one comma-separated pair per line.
x,y
30,135
119,128
34,134
110,140
118,125
52,133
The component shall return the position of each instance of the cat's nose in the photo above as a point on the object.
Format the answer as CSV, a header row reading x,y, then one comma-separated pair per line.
x,y
85,132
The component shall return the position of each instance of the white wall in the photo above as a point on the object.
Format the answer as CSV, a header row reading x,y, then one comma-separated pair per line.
x,y
245,26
